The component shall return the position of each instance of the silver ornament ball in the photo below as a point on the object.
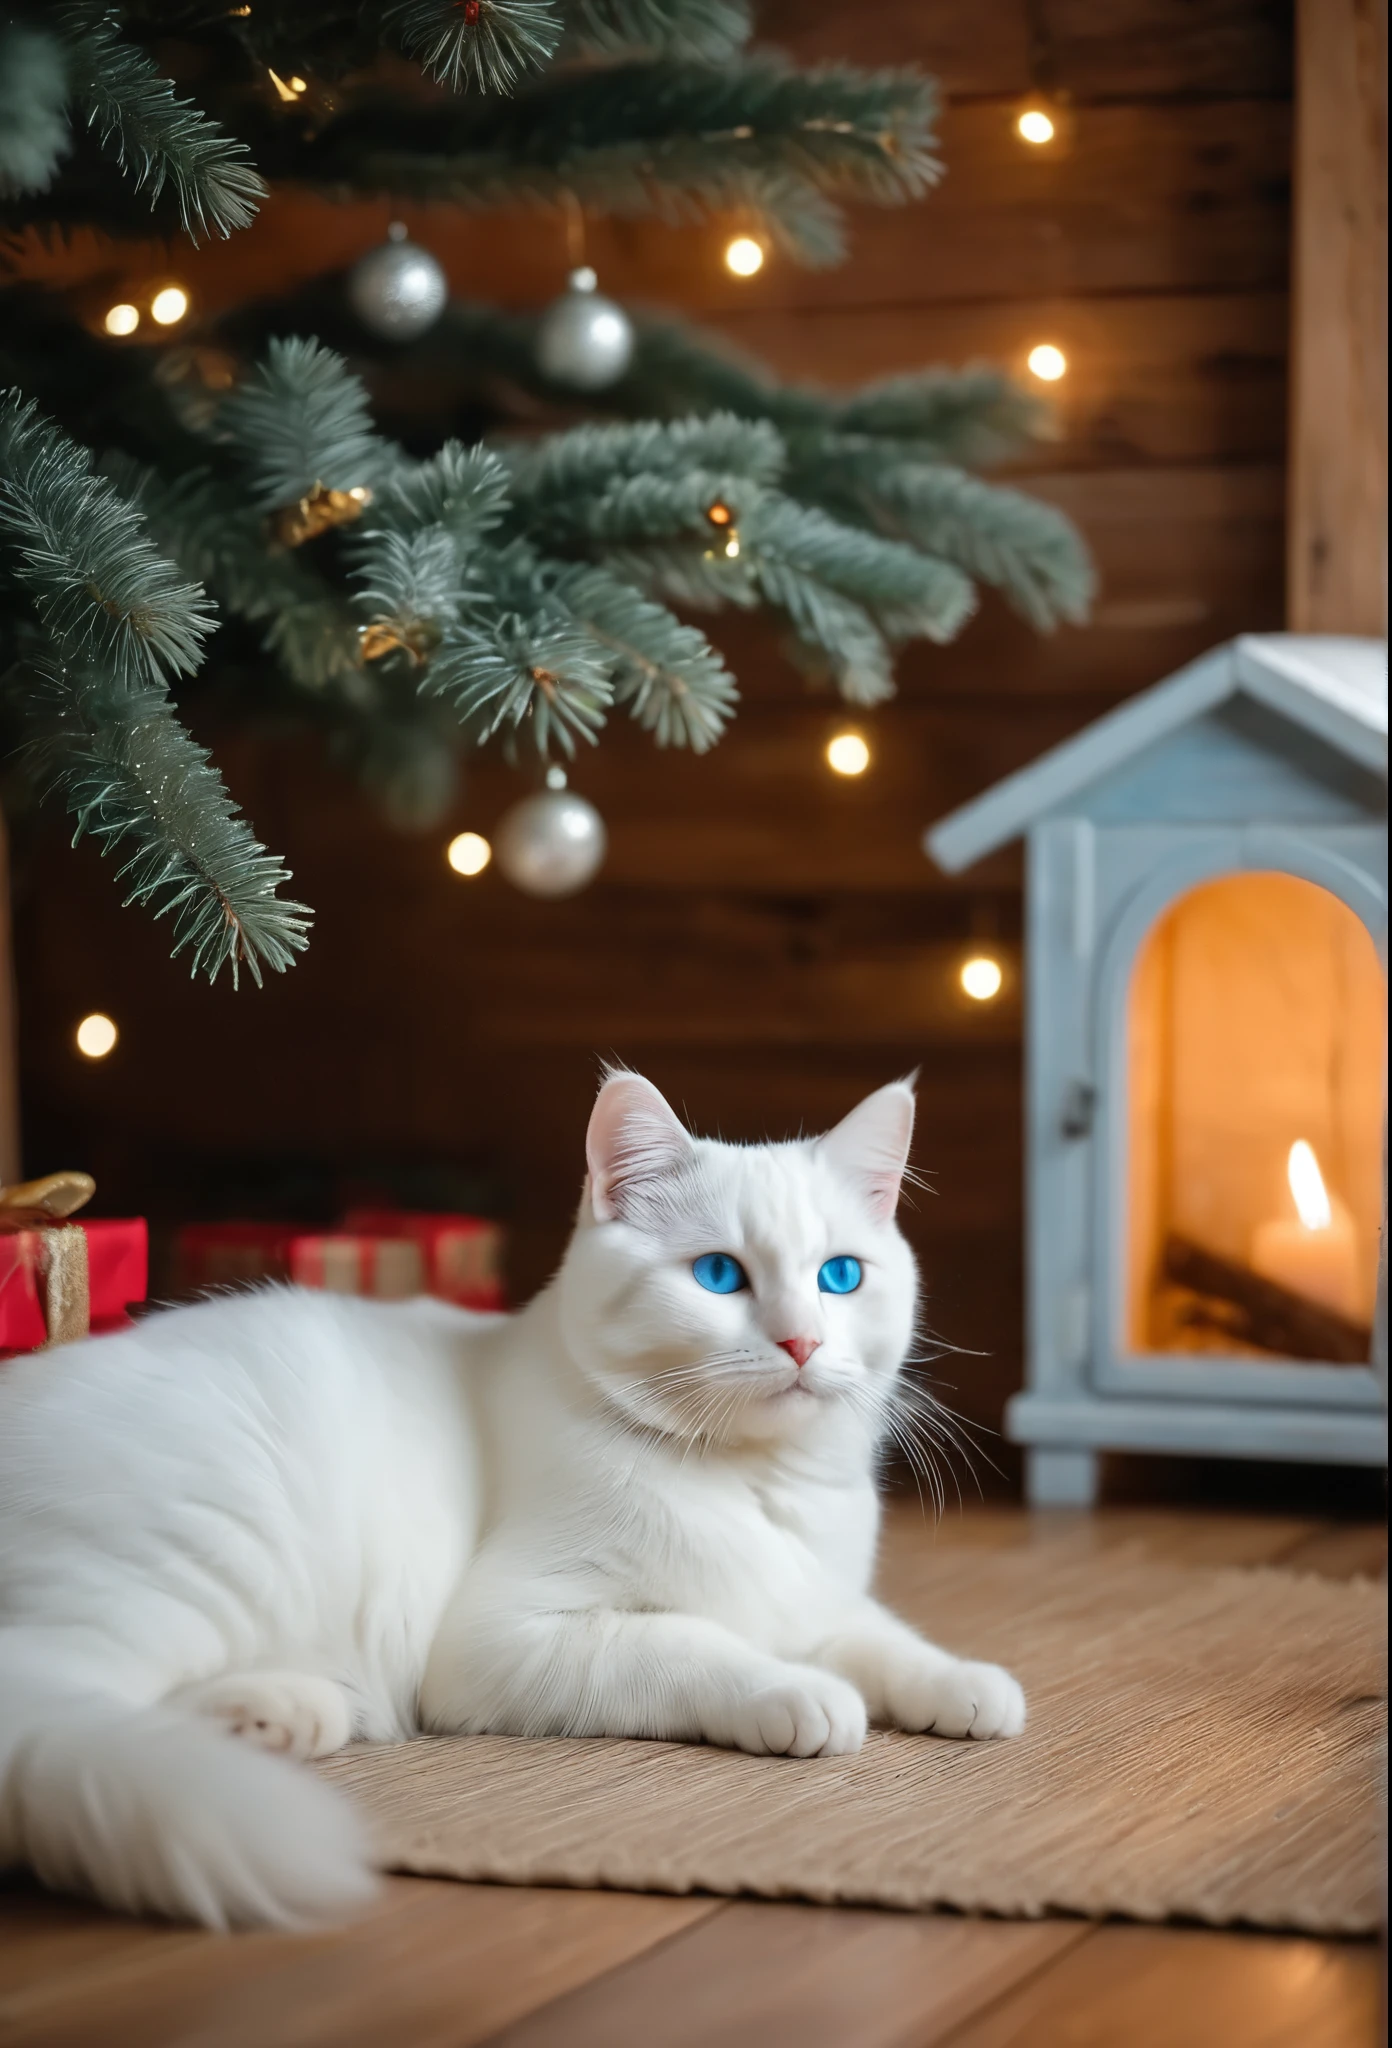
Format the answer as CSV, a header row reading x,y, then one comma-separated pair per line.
x,y
584,339
550,845
399,290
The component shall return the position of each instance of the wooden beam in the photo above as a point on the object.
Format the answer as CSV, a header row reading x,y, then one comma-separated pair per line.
x,y
1337,534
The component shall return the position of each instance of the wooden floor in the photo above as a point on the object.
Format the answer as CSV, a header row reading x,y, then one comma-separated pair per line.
x,y
443,1965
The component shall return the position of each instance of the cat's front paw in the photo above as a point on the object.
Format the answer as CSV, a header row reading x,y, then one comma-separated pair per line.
x,y
290,1712
935,1695
813,1713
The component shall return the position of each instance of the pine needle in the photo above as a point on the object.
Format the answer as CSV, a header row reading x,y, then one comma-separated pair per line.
x,y
157,139
132,778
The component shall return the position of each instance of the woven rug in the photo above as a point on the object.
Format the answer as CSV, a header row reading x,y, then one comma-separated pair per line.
x,y
1203,1744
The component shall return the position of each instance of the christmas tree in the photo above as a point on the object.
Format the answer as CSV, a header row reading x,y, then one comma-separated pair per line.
x,y
167,511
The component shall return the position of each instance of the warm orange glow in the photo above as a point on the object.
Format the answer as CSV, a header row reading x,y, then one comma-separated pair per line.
x,y
122,319
169,306
469,853
1308,1191
981,978
1047,362
1035,126
96,1035
744,257
848,754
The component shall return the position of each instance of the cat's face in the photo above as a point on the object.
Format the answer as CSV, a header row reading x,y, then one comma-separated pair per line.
x,y
741,1294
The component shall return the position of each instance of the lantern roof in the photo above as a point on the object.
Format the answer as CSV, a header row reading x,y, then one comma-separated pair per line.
x,y
1327,685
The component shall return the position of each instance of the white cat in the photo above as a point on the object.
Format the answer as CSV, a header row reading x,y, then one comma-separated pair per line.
x,y
643,1506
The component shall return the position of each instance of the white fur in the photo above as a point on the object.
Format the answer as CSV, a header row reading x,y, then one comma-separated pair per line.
x,y
291,1517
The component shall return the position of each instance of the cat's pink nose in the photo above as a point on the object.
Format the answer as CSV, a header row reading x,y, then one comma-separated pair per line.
x,y
799,1349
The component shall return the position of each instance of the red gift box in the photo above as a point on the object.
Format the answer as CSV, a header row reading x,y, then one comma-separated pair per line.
x,y
390,1253
222,1254
462,1254
352,1262
117,1275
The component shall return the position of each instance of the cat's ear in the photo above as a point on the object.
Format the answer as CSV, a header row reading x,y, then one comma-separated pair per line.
x,y
634,1141
871,1145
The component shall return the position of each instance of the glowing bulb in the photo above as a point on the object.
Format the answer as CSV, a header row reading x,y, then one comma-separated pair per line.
x,y
744,256
122,319
1048,362
298,85
96,1035
732,546
981,977
1034,125
1307,1187
284,91
169,305
848,754
469,854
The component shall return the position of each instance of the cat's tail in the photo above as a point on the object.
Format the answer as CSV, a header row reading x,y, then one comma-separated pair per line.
x,y
152,1811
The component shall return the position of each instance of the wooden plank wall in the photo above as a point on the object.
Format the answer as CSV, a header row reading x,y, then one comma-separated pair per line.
x,y
766,942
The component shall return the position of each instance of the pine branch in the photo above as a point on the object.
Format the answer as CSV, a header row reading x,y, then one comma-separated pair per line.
x,y
1024,548
301,420
34,134
511,673
508,38
216,538
703,31
465,490
907,593
667,673
100,586
411,583
156,138
660,139
132,778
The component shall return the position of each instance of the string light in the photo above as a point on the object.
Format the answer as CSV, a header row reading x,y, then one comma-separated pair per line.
x,y
1035,126
1047,362
96,1035
169,306
290,89
469,853
848,754
981,977
122,319
744,257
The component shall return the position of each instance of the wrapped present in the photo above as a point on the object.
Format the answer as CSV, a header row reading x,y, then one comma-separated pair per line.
x,y
349,1262
389,1253
60,1278
224,1254
462,1255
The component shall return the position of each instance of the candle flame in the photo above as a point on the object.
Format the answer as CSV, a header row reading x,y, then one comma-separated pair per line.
x,y
1307,1187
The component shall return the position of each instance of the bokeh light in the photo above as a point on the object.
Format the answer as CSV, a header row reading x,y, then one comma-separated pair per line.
x,y
981,977
744,256
169,305
1035,126
1047,362
469,853
96,1035
848,754
122,319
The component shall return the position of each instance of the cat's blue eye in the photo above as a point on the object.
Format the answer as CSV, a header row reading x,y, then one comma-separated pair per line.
x,y
718,1273
840,1275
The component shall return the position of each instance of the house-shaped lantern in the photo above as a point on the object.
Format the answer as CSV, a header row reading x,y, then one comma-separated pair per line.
x,y
1206,1033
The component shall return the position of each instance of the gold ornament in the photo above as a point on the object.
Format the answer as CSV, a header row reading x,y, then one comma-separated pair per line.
x,y
318,510
384,636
